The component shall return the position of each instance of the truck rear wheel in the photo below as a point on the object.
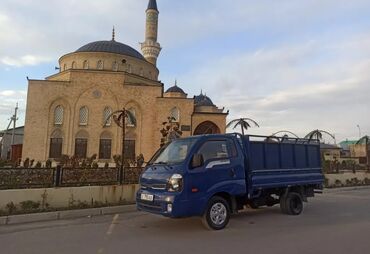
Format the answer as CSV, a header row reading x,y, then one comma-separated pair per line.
x,y
217,214
291,203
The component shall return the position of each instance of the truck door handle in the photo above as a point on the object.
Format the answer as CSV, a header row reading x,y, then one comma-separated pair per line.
x,y
232,173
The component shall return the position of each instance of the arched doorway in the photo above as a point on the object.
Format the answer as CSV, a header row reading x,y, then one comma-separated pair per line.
x,y
207,127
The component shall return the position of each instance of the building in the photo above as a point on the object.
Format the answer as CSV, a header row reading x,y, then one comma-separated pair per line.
x,y
67,112
7,150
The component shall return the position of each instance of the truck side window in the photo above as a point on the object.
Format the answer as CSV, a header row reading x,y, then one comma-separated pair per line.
x,y
216,149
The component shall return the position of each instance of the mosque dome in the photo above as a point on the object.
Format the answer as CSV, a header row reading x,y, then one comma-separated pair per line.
x,y
175,89
203,100
111,47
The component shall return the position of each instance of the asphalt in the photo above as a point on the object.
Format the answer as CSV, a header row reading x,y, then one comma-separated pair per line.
x,y
336,222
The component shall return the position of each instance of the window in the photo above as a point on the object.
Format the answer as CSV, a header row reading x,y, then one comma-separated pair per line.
x,y
142,72
58,115
105,149
100,65
84,115
129,122
81,148
107,119
74,65
129,68
56,145
130,150
64,67
175,114
217,149
115,66
86,65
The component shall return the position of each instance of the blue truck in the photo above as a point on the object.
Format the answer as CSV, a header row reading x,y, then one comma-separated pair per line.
x,y
214,176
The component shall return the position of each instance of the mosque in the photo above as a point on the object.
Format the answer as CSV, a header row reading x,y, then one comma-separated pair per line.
x,y
68,112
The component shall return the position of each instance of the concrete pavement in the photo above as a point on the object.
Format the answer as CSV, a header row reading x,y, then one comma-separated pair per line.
x,y
336,222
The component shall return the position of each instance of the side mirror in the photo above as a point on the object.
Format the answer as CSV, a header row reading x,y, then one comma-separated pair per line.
x,y
197,161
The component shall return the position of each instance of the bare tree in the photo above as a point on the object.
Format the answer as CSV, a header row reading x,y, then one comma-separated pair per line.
x,y
120,118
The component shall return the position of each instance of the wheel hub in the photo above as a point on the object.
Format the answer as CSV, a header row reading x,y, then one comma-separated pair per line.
x,y
218,213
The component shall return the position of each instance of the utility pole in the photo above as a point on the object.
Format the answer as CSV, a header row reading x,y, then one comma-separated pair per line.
x,y
13,120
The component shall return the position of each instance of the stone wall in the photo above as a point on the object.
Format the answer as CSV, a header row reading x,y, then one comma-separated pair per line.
x,y
69,197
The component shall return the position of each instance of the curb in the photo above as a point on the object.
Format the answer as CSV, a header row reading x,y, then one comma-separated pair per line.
x,y
342,189
65,215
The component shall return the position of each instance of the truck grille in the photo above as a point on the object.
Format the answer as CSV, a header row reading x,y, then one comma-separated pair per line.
x,y
153,186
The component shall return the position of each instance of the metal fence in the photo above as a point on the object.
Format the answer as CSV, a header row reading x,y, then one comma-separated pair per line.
x,y
25,178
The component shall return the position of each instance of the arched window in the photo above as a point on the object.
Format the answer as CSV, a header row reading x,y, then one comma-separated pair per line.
x,y
105,146
107,120
84,115
175,114
58,115
64,67
115,66
81,144
86,65
142,72
129,68
129,122
74,65
100,65
56,145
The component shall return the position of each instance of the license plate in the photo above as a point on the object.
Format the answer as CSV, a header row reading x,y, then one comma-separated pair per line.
x,y
147,197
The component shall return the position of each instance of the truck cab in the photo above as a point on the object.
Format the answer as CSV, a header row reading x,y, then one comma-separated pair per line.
x,y
211,176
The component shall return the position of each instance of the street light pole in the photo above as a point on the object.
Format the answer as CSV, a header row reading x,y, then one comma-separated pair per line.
x,y
359,130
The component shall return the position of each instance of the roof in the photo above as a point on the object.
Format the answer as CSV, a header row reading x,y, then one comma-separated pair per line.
x,y
345,144
9,132
175,89
111,47
152,5
203,100
329,146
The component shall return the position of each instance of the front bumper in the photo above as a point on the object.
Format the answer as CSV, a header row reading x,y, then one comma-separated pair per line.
x,y
160,204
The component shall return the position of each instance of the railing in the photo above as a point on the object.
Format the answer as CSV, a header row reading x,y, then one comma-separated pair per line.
x,y
21,178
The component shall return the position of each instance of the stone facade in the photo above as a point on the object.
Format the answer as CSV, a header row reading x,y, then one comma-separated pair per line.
x,y
71,104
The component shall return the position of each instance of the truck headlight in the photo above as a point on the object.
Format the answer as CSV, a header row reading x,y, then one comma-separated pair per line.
x,y
175,183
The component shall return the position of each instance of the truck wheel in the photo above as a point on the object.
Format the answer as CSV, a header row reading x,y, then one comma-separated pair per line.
x,y
217,214
293,203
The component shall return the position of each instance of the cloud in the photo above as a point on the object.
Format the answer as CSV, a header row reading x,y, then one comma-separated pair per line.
x,y
24,60
8,101
314,85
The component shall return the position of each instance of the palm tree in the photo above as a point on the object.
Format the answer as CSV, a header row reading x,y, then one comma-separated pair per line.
x,y
285,132
318,134
244,123
120,118
364,140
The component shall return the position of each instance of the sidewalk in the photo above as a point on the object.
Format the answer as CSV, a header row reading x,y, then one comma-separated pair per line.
x,y
342,189
64,215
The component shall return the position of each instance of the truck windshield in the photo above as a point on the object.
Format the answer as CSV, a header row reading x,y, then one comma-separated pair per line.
x,y
175,152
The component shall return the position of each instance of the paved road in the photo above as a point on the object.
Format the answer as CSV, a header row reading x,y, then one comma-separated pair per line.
x,y
336,222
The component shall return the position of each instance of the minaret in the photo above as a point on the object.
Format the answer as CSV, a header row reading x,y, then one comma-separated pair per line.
x,y
150,47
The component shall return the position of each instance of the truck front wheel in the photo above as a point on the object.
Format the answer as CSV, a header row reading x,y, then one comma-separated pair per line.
x,y
217,214
291,203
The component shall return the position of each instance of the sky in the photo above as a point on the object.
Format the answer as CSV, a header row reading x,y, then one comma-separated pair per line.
x,y
289,65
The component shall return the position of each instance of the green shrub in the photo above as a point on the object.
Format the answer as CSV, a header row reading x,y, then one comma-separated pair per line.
x,y
26,163
338,183
94,165
11,208
29,205
48,164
